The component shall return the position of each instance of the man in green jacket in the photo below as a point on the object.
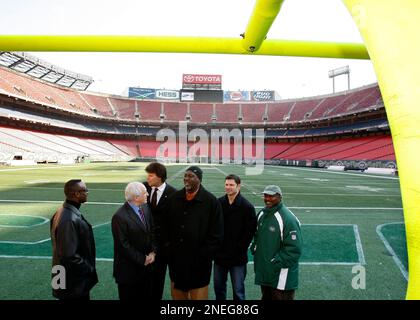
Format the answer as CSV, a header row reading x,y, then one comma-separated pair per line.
x,y
277,247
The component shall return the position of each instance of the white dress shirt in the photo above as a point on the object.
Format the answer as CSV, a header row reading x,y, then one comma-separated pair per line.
x,y
159,192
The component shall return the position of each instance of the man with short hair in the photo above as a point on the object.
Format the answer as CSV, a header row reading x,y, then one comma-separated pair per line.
x,y
159,192
277,247
73,244
194,234
240,223
134,245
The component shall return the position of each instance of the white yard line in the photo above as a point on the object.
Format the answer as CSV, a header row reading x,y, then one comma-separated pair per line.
x,y
45,220
44,258
257,207
397,260
39,168
339,173
359,247
45,240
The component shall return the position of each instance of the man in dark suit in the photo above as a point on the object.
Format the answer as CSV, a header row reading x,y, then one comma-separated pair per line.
x,y
73,245
159,193
134,245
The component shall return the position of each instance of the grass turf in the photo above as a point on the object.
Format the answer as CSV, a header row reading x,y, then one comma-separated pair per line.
x,y
331,206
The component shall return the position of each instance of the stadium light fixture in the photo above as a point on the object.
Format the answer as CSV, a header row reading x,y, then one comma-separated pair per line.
x,y
338,72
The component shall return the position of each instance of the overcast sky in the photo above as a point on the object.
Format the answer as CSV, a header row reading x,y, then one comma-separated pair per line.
x,y
323,20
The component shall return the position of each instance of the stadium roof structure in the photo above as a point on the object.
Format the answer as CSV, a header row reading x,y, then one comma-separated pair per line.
x,y
35,67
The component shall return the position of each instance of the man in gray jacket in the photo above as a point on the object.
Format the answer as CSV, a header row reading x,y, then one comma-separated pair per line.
x,y
73,246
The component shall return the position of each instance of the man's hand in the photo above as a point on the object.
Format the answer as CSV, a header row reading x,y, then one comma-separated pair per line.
x,y
150,258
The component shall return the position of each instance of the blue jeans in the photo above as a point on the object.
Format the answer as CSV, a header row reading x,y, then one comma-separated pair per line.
x,y
237,277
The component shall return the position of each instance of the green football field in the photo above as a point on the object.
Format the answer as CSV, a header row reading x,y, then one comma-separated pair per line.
x,y
348,220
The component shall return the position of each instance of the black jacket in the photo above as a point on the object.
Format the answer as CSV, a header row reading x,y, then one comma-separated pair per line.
x,y
194,234
132,242
73,247
240,223
159,213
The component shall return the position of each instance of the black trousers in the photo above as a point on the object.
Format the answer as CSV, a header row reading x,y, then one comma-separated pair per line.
x,y
137,291
269,293
158,277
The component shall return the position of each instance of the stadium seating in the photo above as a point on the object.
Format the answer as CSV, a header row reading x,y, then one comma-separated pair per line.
x,y
47,145
288,113
111,106
175,111
301,108
278,112
227,112
253,112
36,90
129,147
201,112
369,148
99,103
150,110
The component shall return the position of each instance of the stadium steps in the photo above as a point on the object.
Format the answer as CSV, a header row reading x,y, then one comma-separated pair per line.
x,y
63,146
284,151
114,111
299,150
11,148
274,148
277,111
329,103
345,148
106,146
88,144
325,148
79,144
301,108
386,151
127,146
366,151
31,145
99,103
332,111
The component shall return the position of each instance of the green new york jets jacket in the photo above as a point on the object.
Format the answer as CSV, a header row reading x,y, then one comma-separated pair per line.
x,y
277,247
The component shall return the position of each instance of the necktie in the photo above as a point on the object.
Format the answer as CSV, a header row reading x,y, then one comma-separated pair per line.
x,y
142,217
153,203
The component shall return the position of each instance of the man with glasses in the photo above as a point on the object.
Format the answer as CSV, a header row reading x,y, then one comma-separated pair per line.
x,y
73,245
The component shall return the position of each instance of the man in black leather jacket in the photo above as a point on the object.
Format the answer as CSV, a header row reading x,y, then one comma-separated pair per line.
x,y
73,245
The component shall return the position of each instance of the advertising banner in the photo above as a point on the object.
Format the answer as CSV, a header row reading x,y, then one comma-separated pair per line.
x,y
201,79
262,95
187,96
167,94
237,96
141,93
151,94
